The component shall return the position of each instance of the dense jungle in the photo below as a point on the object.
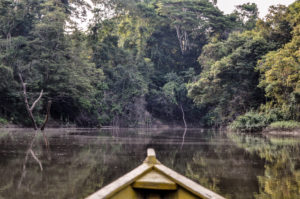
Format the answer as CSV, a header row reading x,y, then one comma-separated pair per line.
x,y
147,63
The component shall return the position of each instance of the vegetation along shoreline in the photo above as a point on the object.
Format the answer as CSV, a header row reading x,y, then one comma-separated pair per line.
x,y
150,63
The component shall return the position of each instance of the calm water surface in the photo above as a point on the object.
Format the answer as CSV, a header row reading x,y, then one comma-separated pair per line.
x,y
73,163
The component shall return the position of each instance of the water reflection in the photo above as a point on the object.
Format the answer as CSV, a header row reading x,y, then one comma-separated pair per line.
x,y
281,177
29,152
74,163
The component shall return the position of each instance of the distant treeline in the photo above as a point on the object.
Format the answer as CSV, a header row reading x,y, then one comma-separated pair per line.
x,y
149,62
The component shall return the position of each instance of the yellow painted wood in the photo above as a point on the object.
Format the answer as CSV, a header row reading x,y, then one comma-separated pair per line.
x,y
151,157
152,175
183,194
154,180
118,185
186,183
128,192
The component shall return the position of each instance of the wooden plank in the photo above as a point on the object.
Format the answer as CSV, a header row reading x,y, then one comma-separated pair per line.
x,y
154,180
120,183
151,153
151,157
127,192
188,184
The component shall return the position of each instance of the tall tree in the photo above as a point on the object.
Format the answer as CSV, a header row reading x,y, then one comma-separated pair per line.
x,y
228,82
247,15
279,70
192,19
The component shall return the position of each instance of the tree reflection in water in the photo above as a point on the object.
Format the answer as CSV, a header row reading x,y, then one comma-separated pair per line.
x,y
76,162
281,178
30,152
42,175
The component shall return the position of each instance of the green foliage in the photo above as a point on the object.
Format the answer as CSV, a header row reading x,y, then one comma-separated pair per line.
x,y
280,76
284,125
174,90
250,122
3,121
48,59
193,20
247,15
228,82
6,76
277,27
148,59
254,121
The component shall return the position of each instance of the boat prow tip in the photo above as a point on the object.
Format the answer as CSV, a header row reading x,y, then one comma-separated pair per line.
x,y
151,157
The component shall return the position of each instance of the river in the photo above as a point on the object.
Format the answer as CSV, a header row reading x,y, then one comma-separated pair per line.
x,y
73,163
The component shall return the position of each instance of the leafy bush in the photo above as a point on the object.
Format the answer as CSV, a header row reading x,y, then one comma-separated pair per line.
x,y
284,125
273,115
257,121
3,121
250,122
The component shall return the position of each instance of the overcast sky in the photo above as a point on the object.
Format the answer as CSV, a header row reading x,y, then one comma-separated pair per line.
x,y
263,5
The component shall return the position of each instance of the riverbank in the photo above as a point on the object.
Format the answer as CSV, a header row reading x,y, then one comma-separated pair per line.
x,y
295,132
283,128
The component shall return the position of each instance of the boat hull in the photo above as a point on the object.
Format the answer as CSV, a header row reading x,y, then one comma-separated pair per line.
x,y
153,180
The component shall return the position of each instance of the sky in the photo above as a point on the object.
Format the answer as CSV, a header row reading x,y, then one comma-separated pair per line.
x,y
227,6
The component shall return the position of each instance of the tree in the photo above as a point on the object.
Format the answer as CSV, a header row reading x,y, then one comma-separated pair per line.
x,y
228,82
36,45
279,70
276,28
193,19
247,15
280,77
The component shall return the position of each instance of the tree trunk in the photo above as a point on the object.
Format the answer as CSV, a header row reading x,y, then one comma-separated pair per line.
x,y
179,37
183,116
30,109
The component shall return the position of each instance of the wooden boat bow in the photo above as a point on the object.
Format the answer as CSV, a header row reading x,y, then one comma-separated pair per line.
x,y
153,180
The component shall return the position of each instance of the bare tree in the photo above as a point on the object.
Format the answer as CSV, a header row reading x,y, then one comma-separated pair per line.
x,y
30,109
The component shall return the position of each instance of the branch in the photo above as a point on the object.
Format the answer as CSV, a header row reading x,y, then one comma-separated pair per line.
x,y
24,92
29,111
37,100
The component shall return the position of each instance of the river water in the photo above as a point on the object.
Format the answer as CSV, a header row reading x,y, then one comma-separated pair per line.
x,y
73,163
